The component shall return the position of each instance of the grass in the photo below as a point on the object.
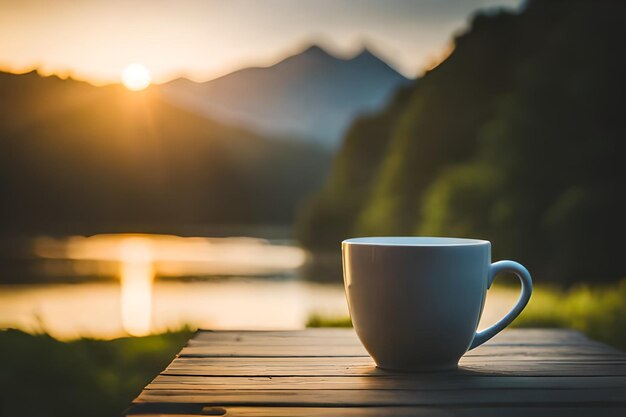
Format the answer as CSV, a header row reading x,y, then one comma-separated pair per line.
x,y
41,376
596,310
316,320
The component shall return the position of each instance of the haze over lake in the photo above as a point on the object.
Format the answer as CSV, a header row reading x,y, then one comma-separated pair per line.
x,y
144,284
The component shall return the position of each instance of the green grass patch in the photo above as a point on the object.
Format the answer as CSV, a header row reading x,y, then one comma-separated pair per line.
x,y
596,310
41,376
599,311
316,320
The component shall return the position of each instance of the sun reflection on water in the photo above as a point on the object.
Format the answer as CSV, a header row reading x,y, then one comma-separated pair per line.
x,y
136,277
138,259
144,303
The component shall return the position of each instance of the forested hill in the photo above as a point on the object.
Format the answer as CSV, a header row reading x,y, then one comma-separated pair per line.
x,y
518,137
75,158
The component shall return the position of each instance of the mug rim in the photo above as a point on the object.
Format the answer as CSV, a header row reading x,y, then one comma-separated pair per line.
x,y
417,241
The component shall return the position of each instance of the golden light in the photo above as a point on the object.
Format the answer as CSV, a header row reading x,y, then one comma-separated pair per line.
x,y
137,274
136,77
137,258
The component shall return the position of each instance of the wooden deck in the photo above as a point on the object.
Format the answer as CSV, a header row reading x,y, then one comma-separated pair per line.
x,y
326,372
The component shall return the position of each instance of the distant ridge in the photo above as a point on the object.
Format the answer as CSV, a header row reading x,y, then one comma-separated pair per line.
x,y
312,95
81,159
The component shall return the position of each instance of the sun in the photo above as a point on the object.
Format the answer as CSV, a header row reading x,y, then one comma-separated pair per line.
x,y
136,77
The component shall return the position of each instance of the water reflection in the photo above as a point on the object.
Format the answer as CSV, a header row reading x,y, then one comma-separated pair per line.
x,y
138,258
136,276
249,298
175,255
92,309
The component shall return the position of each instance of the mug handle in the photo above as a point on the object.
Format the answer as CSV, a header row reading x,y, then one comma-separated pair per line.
x,y
527,289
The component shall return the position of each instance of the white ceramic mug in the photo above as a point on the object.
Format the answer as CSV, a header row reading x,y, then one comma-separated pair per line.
x,y
415,302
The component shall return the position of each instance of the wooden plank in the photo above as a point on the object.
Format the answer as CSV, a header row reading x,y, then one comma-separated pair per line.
x,y
272,351
516,336
230,411
326,398
358,361
404,382
337,366
327,350
343,342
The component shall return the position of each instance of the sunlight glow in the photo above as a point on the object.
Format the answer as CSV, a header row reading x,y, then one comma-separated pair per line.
x,y
136,274
138,258
136,77
147,304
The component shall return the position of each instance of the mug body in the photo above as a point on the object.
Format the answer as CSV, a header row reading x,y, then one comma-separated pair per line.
x,y
415,302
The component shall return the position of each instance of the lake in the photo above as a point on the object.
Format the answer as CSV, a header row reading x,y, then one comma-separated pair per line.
x,y
132,284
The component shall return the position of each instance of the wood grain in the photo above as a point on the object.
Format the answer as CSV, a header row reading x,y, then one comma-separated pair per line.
x,y
315,342
405,382
329,398
338,366
147,410
322,335
248,350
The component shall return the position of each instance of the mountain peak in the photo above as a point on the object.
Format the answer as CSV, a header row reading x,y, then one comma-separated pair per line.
x,y
366,54
365,51
316,51
312,95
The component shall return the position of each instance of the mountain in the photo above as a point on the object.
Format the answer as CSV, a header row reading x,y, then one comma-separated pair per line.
x,y
312,95
75,158
518,137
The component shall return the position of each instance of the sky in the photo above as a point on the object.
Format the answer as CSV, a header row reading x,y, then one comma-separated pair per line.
x,y
94,40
